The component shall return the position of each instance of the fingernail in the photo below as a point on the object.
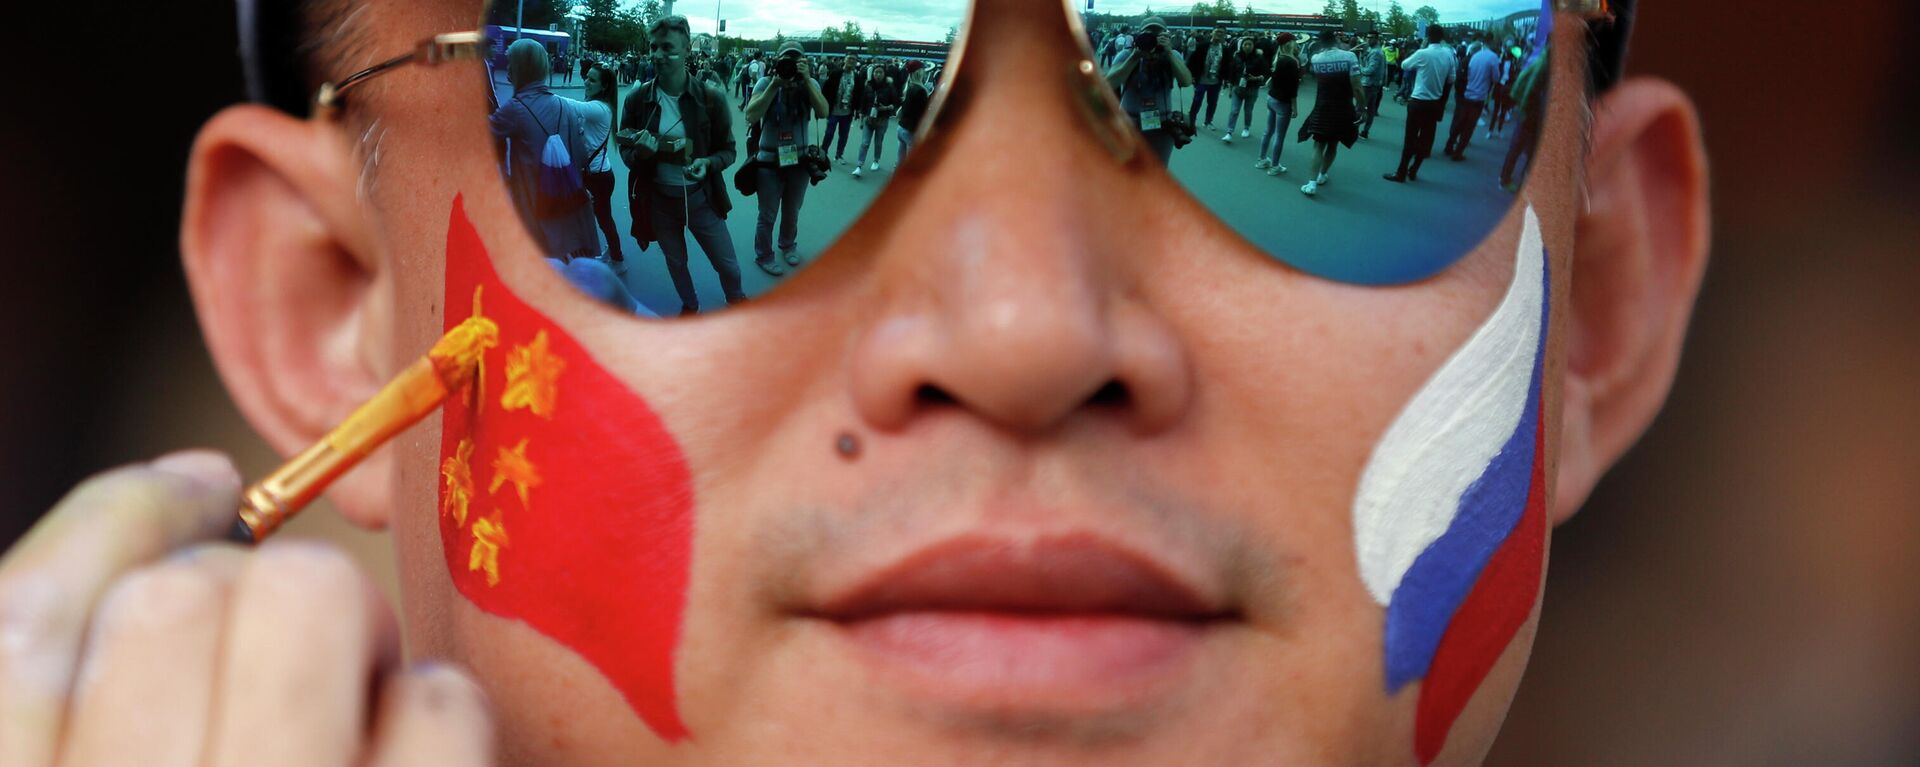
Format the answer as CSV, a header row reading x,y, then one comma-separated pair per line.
x,y
205,467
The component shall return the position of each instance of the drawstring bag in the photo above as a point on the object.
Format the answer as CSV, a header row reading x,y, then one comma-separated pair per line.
x,y
557,185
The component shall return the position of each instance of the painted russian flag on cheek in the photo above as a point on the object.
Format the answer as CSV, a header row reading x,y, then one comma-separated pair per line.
x,y
1450,515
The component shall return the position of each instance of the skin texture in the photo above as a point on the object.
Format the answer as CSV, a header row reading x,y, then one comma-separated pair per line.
x,y
1253,397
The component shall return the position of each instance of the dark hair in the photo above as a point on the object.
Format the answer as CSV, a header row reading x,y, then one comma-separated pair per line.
x,y
672,24
1436,33
608,89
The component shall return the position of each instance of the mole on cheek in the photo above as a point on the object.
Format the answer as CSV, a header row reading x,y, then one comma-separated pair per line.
x,y
847,445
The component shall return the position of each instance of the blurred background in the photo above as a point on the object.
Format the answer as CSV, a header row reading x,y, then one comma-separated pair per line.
x,y
1743,590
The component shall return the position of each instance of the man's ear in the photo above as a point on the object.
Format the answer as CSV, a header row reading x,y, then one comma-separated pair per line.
x,y
291,297
1640,255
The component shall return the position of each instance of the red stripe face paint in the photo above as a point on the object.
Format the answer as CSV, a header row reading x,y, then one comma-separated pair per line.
x,y
564,502
1492,614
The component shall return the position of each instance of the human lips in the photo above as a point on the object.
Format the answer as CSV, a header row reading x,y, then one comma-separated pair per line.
x,y
1063,622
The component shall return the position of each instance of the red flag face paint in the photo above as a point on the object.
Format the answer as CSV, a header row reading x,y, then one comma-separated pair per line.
x,y
564,502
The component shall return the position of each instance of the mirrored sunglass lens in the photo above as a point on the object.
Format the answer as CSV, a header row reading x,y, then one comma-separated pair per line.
x,y
674,165
1374,146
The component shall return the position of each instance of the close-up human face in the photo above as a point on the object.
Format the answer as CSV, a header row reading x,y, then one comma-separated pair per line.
x,y
1039,454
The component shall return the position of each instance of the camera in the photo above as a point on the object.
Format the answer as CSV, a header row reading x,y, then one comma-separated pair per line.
x,y
814,159
1179,128
787,69
1147,42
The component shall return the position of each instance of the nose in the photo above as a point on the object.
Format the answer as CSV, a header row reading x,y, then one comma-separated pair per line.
x,y
1009,281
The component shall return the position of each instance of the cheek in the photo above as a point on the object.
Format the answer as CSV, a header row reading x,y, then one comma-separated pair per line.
x,y
564,502
1450,517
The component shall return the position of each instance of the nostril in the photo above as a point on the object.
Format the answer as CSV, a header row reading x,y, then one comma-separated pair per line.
x,y
933,396
1114,395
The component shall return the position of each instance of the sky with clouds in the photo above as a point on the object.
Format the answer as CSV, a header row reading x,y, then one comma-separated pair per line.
x,y
929,19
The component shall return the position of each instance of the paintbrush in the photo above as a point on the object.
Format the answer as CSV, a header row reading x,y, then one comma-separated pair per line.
x,y
452,364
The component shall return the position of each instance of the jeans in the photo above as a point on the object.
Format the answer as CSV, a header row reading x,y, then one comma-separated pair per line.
x,y
600,187
1240,109
1204,91
1279,118
1373,108
874,138
1522,144
1465,114
845,125
906,143
1161,143
781,192
673,216
1423,122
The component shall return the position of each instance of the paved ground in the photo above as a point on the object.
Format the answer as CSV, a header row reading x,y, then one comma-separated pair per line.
x,y
1449,210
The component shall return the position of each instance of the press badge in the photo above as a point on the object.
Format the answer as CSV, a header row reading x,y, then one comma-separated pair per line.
x,y
789,155
1150,120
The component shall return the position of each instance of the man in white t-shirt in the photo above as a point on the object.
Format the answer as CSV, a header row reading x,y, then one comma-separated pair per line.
x,y
1430,70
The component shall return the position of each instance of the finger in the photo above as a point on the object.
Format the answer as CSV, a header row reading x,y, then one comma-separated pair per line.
x,y
51,580
145,684
432,715
306,636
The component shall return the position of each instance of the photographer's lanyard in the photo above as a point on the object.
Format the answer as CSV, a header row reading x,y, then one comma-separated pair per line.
x,y
789,151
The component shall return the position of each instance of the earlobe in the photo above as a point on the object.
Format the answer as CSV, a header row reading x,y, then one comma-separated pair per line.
x,y
1639,258
285,281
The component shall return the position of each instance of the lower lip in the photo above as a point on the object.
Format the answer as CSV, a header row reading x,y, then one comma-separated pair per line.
x,y
1027,658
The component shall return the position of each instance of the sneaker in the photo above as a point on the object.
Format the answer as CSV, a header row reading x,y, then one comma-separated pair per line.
x,y
841,160
1244,133
874,166
793,258
856,171
1276,170
1227,139
1310,189
619,267
1210,127
1490,135
1395,178
1322,180
771,267
1263,164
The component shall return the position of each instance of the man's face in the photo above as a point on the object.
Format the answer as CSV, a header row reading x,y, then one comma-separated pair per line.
x,y
1017,472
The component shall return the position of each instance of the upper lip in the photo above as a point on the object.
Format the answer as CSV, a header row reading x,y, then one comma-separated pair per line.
x,y
1067,574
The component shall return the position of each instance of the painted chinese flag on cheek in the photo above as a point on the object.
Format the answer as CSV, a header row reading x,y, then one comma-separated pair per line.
x,y
564,502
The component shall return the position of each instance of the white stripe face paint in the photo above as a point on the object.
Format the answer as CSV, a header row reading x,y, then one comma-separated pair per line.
x,y
1448,433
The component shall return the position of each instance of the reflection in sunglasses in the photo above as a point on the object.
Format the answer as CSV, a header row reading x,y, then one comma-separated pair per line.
x,y
676,125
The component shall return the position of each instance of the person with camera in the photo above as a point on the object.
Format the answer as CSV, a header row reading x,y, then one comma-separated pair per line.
x,y
1283,89
881,100
846,96
1206,61
1245,73
782,107
1145,76
676,139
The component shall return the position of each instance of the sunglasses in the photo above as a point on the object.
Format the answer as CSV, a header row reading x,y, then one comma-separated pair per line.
x,y
678,190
